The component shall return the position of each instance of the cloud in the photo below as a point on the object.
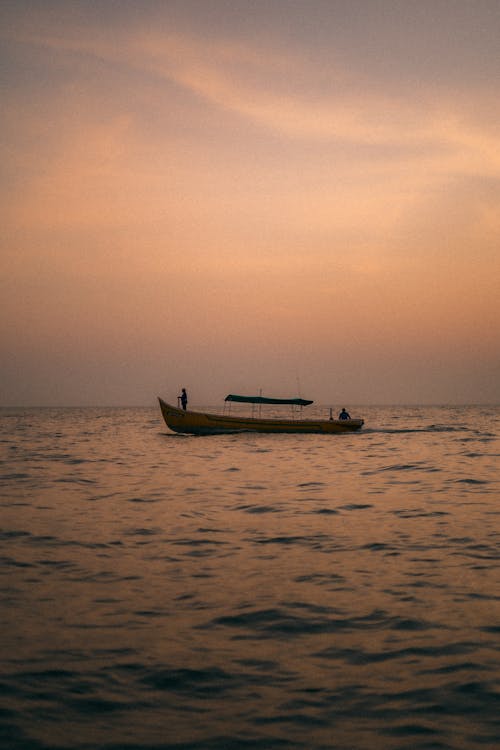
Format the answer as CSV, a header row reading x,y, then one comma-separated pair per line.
x,y
375,150
367,165
300,98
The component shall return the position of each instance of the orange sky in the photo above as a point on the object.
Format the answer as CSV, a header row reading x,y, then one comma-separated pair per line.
x,y
244,196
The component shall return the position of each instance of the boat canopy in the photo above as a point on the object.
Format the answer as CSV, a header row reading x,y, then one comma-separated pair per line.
x,y
264,400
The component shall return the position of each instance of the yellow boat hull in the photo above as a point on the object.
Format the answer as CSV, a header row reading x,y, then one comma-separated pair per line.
x,y
200,423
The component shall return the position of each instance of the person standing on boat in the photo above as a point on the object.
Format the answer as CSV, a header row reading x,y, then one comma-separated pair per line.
x,y
183,399
344,414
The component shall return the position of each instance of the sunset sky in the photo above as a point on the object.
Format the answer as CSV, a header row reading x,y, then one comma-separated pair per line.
x,y
235,195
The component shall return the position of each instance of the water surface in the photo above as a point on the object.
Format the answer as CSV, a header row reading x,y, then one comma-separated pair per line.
x,y
249,591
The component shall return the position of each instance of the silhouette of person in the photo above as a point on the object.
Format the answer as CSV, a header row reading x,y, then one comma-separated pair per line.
x,y
184,399
344,414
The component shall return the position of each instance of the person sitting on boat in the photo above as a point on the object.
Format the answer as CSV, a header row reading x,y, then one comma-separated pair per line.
x,y
344,414
184,399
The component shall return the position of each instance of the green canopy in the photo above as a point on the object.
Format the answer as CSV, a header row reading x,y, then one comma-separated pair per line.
x,y
263,400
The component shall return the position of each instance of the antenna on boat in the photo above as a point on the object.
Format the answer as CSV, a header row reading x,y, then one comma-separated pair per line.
x,y
298,389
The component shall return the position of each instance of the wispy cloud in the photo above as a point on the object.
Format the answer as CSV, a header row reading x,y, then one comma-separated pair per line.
x,y
270,88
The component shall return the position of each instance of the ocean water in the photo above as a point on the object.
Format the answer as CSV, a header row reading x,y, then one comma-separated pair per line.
x,y
249,591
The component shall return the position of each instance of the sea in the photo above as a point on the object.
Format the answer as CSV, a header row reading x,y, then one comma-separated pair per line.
x,y
276,592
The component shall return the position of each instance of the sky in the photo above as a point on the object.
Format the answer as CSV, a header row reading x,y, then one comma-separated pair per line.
x,y
235,196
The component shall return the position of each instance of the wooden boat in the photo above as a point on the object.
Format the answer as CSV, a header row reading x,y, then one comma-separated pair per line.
x,y
201,423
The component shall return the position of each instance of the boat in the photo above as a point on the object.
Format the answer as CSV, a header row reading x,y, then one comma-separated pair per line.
x,y
202,423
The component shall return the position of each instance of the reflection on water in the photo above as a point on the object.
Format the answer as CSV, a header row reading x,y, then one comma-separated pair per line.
x,y
250,591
